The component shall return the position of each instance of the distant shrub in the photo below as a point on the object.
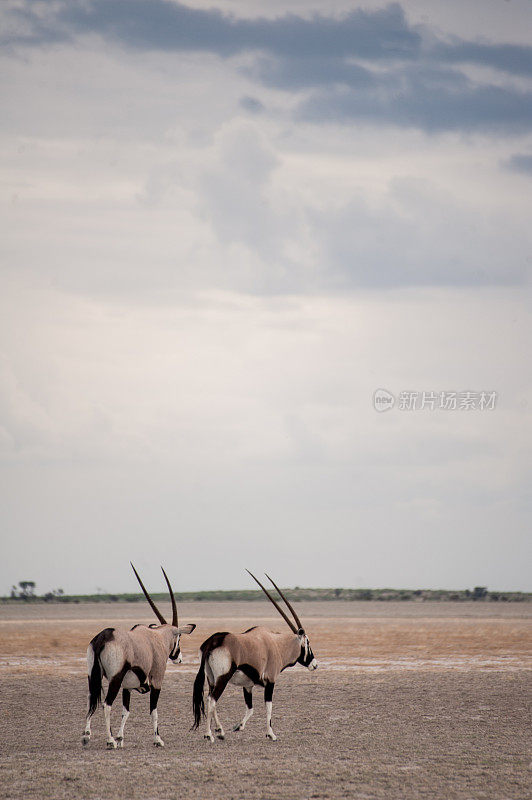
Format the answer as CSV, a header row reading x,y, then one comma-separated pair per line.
x,y
363,594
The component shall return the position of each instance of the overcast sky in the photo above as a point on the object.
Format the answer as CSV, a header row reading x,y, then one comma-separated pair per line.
x,y
225,225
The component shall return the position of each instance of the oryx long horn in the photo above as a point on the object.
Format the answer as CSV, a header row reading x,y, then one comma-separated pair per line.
x,y
148,598
175,621
298,621
277,606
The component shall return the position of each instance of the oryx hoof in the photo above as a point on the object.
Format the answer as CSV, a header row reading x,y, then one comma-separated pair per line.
x,y
119,741
271,736
209,737
111,744
220,735
158,743
85,739
238,728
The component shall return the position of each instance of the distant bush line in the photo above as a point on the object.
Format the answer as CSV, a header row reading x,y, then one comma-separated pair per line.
x,y
479,594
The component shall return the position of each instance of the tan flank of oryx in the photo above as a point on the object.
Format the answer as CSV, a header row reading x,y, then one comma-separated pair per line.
x,y
253,658
134,659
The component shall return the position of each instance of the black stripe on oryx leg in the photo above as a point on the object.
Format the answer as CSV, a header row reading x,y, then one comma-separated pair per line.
x,y
248,697
141,675
115,684
251,673
221,683
268,695
154,698
126,697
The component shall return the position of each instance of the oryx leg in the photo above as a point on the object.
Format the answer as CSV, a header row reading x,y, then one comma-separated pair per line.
x,y
212,698
268,695
154,699
218,728
87,732
126,697
112,691
248,697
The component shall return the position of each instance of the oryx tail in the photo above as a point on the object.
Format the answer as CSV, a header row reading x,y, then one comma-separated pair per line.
x,y
95,675
198,704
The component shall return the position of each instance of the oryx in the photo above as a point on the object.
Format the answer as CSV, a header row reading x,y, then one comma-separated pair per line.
x,y
134,659
253,658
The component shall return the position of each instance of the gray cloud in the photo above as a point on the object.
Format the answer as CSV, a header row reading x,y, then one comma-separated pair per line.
x,y
293,73
251,104
405,79
431,101
161,25
511,58
382,247
520,162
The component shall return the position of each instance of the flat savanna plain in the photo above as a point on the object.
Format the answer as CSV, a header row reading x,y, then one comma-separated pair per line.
x,y
411,700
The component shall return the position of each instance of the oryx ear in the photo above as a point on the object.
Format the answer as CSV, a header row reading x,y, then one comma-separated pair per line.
x,y
186,628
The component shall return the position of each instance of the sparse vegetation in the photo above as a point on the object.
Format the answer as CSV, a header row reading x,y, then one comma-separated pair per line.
x,y
26,592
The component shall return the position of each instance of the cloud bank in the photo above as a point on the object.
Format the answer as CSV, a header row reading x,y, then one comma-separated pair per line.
x,y
365,66
221,233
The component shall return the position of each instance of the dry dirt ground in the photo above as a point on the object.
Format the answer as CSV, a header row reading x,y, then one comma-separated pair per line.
x,y
410,701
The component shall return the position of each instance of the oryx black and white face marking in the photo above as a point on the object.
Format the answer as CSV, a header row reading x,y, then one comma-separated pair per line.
x,y
306,657
175,655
